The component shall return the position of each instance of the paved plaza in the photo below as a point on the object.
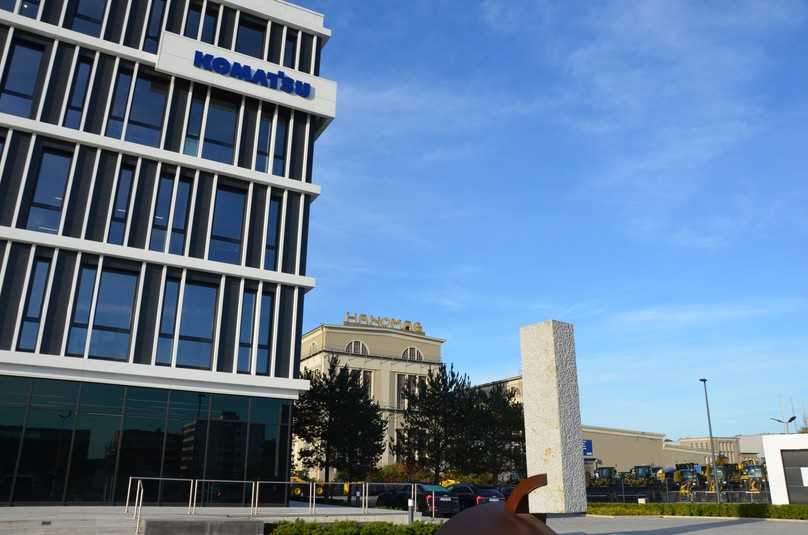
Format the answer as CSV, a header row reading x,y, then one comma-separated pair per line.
x,y
593,525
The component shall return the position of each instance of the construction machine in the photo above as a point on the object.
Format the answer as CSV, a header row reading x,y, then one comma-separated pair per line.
x,y
753,476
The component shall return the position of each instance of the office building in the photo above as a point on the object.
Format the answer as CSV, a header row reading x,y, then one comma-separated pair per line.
x,y
389,353
155,183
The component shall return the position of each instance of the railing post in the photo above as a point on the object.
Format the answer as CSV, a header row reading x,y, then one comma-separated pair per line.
x,y
128,491
190,496
313,494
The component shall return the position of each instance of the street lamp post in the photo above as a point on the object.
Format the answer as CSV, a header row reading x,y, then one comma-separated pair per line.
x,y
785,422
712,444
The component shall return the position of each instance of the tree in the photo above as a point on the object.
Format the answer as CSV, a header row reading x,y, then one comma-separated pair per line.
x,y
431,434
341,426
500,439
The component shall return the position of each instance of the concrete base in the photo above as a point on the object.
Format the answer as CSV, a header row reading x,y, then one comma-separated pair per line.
x,y
204,527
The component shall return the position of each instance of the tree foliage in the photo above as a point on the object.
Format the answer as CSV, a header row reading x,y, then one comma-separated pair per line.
x,y
453,428
340,425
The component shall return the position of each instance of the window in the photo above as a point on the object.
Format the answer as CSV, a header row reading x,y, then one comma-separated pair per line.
x,y
279,155
179,227
29,330
194,127
21,77
45,210
210,23
78,92
220,128
195,348
168,321
263,357
120,96
356,347
250,37
77,336
246,331
86,16
367,380
154,26
228,220
120,210
290,48
160,223
192,20
112,326
148,108
273,232
30,8
412,353
264,127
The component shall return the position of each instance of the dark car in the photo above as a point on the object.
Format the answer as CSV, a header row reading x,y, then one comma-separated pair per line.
x,y
427,497
506,490
469,494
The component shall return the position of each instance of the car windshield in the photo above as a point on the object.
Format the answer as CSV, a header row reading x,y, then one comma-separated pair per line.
x,y
755,472
429,489
489,492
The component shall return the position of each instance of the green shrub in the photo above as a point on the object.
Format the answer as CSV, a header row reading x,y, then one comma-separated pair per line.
x,y
743,510
353,528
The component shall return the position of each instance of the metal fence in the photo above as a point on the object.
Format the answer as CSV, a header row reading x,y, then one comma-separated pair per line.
x,y
621,492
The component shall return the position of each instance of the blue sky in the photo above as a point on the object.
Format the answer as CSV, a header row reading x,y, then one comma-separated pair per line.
x,y
637,169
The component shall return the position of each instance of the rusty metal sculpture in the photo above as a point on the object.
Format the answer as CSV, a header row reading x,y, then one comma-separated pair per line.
x,y
495,518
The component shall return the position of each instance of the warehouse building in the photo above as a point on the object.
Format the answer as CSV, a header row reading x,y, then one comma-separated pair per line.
x,y
155,183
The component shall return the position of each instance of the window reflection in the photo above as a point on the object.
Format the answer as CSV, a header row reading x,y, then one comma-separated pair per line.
x,y
220,127
120,96
228,222
112,326
160,223
250,37
246,331
78,93
77,335
168,319
120,209
21,76
148,109
265,334
32,317
273,233
195,348
85,16
45,211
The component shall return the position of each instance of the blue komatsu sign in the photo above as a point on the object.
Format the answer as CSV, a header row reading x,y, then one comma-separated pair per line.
x,y
587,447
273,80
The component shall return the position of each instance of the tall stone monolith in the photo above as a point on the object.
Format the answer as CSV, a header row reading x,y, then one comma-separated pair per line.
x,y
553,417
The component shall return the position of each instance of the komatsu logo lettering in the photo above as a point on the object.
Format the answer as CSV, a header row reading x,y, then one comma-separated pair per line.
x,y
273,80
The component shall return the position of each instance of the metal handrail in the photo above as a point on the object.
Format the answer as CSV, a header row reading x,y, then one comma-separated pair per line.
x,y
141,479
195,493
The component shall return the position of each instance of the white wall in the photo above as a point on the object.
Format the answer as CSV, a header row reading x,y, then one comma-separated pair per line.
x,y
772,447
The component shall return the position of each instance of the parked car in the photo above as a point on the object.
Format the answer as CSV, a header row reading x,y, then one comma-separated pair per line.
x,y
506,490
396,497
470,494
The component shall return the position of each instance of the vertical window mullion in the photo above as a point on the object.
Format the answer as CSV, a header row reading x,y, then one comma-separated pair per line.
x,y
276,303
298,47
290,129
3,157
235,32
273,134
166,12
86,218
41,104
167,112
70,299
184,18
46,301
239,125
25,178
145,28
298,252
256,135
104,19
90,83
283,44
219,17
191,210
72,79
23,297
170,222
68,188
217,324
306,139
6,48
267,40
91,319
187,116
113,197
153,207
203,126
282,232
108,105
201,19
136,311
239,319
130,98
210,214
246,225
160,297
256,326
264,227
294,330
125,22
315,44
178,318
131,206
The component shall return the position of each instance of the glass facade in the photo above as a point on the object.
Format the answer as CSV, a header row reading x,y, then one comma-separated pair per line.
x,y
69,442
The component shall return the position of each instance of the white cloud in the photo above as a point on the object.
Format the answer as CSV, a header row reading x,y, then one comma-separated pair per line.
x,y
679,316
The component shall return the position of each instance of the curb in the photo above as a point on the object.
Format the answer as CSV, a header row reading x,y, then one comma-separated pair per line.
x,y
700,517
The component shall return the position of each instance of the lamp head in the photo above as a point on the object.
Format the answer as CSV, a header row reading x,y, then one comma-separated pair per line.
x,y
703,380
792,419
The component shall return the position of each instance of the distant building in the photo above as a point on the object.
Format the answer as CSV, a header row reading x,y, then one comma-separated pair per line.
x,y
389,353
727,447
621,448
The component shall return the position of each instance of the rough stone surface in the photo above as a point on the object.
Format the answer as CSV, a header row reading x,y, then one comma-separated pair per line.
x,y
553,417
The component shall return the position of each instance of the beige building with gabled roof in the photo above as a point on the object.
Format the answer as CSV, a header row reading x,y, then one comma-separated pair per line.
x,y
388,352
